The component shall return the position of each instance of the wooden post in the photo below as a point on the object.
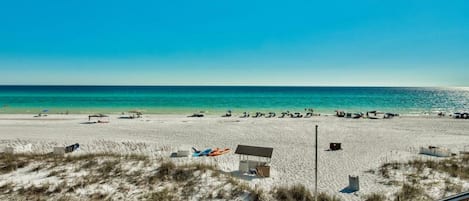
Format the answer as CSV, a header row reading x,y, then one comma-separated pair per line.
x,y
316,167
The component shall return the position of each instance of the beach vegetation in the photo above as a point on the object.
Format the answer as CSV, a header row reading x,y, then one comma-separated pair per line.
x,y
89,164
165,170
454,167
411,192
100,196
109,168
164,195
420,176
451,187
300,193
54,173
155,180
257,194
10,162
375,197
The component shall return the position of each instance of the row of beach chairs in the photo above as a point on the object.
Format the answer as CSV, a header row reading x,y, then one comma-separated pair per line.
x,y
273,114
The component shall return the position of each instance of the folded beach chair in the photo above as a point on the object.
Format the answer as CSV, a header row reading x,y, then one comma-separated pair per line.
x,y
72,148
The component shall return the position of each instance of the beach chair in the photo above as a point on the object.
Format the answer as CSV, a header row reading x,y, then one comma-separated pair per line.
x,y
283,115
258,114
245,115
271,114
228,114
72,148
196,115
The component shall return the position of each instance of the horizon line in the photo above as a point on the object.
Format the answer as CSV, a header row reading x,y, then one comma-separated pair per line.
x,y
220,85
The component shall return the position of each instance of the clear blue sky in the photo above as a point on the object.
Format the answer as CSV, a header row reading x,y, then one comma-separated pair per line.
x,y
216,42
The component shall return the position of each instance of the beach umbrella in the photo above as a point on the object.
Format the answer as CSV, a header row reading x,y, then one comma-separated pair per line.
x,y
44,111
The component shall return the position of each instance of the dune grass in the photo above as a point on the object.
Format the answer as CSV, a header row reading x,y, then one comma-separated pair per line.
x,y
154,180
418,170
299,193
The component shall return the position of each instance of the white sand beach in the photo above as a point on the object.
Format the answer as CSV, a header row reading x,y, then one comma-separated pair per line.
x,y
366,143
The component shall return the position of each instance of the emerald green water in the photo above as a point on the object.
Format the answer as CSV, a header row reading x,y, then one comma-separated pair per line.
x,y
189,99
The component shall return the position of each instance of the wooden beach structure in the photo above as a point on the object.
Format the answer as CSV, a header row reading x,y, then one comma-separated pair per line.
x,y
254,158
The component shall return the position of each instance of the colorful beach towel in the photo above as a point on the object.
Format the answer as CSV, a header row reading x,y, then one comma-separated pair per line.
x,y
202,153
218,151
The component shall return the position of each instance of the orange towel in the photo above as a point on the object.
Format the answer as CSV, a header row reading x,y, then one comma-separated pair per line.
x,y
218,151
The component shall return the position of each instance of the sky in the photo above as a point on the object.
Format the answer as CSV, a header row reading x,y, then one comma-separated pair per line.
x,y
216,42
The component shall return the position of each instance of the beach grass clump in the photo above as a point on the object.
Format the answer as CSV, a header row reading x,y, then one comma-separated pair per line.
x,y
465,159
165,170
375,197
239,189
66,198
99,196
222,194
35,169
42,191
164,195
183,174
454,167
326,197
299,193
6,187
257,194
89,164
55,173
384,170
451,187
10,162
109,168
411,192
189,188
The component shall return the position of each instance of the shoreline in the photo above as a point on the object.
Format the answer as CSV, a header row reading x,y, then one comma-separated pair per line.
x,y
214,114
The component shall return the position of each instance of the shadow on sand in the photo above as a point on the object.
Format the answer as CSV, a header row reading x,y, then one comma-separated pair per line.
x,y
347,190
88,122
243,176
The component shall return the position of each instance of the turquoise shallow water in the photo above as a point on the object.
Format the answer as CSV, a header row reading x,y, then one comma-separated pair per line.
x,y
188,99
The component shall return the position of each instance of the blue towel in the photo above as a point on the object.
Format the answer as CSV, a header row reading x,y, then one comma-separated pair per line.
x,y
202,153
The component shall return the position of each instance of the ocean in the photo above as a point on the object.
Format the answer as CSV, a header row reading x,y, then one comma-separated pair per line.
x,y
219,99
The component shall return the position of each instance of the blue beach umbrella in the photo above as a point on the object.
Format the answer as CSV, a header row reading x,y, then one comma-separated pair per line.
x,y
46,110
